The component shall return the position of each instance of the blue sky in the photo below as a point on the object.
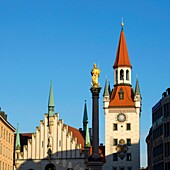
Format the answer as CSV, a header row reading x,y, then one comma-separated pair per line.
x,y
60,40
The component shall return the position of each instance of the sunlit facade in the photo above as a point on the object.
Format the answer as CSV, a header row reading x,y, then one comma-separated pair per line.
x,y
6,143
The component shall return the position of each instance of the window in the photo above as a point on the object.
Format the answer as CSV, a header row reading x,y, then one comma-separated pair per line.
x,y
129,168
129,157
114,168
114,126
127,74
122,168
128,126
128,141
115,157
114,142
116,76
121,94
121,74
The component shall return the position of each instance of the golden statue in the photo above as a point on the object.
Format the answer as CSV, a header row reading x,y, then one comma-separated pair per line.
x,y
95,75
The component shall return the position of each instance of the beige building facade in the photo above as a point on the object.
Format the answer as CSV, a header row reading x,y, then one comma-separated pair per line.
x,y
54,145
122,107
6,143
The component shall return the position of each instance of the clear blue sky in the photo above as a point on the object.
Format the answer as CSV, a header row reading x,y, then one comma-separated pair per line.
x,y
60,40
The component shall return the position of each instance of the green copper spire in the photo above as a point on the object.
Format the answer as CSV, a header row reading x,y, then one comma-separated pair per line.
x,y
106,89
85,117
137,89
87,137
51,101
17,142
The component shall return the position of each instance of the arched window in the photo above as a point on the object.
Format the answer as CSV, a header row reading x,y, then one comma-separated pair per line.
x,y
127,74
50,166
121,74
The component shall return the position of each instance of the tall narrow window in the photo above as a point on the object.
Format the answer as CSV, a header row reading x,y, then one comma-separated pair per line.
x,y
129,157
128,126
121,94
114,142
116,76
127,74
114,126
121,74
115,157
128,141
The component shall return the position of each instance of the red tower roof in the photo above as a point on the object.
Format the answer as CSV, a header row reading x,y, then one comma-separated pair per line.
x,y
122,58
127,100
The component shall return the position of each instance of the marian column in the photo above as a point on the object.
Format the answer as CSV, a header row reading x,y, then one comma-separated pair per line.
x,y
95,161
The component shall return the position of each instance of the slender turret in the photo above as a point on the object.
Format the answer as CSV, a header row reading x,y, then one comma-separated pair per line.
x,y
51,102
17,142
85,117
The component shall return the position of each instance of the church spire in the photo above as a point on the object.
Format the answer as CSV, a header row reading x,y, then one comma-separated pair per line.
x,y
122,57
137,88
122,66
85,117
106,89
51,101
17,142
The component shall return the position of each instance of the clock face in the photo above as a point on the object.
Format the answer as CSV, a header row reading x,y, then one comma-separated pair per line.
x,y
121,117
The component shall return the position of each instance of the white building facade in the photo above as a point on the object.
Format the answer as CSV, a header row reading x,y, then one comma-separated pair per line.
x,y
54,145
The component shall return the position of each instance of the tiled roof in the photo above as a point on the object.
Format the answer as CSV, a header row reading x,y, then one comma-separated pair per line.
x,y
115,101
77,134
122,58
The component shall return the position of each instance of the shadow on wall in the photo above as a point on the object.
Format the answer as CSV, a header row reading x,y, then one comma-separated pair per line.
x,y
67,160
126,157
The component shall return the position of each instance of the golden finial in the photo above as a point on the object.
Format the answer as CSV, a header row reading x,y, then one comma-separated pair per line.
x,y
122,23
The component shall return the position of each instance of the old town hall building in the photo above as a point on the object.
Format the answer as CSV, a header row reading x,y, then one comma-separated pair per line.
x,y
55,145
122,108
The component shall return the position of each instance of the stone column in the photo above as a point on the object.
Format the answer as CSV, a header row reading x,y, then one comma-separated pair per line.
x,y
95,161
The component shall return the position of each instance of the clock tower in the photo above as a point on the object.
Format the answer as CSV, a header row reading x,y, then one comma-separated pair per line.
x,y
122,107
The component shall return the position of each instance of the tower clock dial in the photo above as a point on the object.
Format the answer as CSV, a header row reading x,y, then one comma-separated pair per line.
x,y
121,117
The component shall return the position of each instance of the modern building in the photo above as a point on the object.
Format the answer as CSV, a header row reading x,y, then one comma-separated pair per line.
x,y
122,109
54,145
6,143
158,139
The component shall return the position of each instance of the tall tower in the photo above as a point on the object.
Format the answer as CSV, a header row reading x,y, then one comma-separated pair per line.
x,y
122,109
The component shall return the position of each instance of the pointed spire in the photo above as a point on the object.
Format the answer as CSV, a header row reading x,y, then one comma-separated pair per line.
x,y
87,137
106,89
17,142
51,101
137,88
85,117
122,58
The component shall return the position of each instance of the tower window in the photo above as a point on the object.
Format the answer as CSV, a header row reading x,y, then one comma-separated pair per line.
x,y
121,74
128,126
129,157
114,168
128,141
116,76
114,142
115,157
114,126
129,168
127,74
121,94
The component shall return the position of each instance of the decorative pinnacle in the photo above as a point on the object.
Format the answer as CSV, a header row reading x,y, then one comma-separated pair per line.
x,y
122,23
